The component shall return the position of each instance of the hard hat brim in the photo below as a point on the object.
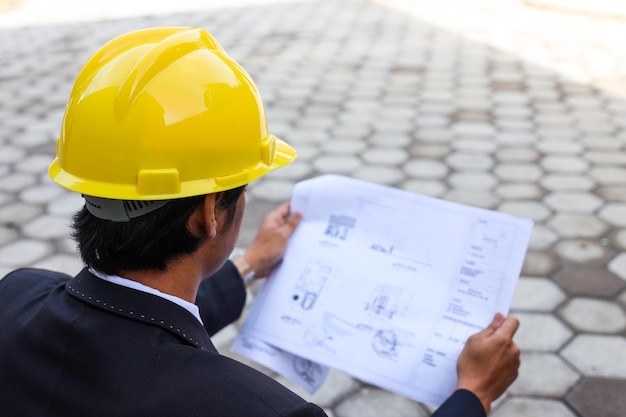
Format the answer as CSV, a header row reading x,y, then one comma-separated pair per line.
x,y
284,155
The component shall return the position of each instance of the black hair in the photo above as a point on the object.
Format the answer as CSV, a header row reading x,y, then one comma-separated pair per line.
x,y
150,241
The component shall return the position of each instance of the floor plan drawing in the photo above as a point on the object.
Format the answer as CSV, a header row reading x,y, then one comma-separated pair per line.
x,y
387,285
339,226
310,284
390,301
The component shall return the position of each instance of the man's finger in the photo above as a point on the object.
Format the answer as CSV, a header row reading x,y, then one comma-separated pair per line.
x,y
495,324
283,210
294,219
509,327
491,329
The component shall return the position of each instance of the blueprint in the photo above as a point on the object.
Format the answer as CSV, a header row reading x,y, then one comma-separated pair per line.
x,y
308,374
386,285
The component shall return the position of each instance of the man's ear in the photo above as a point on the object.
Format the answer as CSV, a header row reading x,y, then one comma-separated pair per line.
x,y
203,221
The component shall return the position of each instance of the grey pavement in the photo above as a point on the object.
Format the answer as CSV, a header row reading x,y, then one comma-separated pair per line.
x,y
491,103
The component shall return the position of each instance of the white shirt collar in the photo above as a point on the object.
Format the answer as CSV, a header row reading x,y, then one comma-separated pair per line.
x,y
125,282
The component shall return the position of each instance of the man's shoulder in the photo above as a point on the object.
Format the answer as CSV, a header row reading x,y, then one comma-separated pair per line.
x,y
33,277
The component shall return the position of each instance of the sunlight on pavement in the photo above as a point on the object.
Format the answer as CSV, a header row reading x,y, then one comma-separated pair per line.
x,y
41,12
581,47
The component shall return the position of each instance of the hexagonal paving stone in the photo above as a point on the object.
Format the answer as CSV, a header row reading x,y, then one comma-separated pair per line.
x,y
425,168
272,190
581,250
557,182
534,380
431,188
601,143
518,172
540,332
599,397
351,130
47,227
590,315
474,145
40,194
298,137
389,139
564,164
379,174
542,237
519,191
35,135
615,214
573,202
609,175
559,147
68,264
297,170
431,121
597,355
23,252
618,266
622,299
478,180
34,164
530,407
428,151
590,281
433,135
619,239
530,209
606,158
476,198
467,161
307,152
342,147
473,129
516,154
385,156
17,213
370,402
537,294
612,194
516,138
539,264
4,197
11,154
336,164
578,225
66,205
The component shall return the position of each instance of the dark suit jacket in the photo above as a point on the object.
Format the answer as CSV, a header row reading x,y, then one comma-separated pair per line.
x,y
86,347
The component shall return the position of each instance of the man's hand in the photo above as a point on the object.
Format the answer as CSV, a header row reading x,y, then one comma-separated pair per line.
x,y
269,245
490,361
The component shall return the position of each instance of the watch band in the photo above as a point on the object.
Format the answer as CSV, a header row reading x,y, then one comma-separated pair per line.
x,y
245,270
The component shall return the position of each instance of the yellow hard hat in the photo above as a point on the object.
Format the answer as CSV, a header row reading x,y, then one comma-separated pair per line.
x,y
164,113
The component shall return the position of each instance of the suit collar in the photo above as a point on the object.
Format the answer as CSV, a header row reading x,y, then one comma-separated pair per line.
x,y
140,306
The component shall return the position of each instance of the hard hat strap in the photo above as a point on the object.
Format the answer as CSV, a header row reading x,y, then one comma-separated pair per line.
x,y
120,210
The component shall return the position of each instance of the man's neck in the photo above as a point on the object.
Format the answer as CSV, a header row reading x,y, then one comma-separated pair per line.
x,y
178,280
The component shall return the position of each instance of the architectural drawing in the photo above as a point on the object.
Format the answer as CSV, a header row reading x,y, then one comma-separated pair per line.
x,y
308,370
339,226
387,285
310,284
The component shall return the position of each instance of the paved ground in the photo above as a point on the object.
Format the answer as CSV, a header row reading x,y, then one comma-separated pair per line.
x,y
490,103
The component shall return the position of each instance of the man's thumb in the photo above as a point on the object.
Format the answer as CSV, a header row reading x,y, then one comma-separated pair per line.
x,y
497,321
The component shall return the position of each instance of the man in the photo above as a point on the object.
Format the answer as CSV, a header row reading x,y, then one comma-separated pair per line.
x,y
161,134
